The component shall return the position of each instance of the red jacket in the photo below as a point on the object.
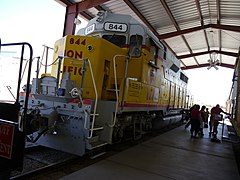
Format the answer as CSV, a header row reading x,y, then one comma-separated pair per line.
x,y
195,114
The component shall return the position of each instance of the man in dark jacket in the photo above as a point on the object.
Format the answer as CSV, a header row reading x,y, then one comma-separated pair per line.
x,y
215,118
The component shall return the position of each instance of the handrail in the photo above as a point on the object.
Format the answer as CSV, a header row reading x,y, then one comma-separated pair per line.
x,y
116,88
19,78
96,100
96,97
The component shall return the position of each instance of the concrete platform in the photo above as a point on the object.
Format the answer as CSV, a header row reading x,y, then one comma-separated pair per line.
x,y
172,155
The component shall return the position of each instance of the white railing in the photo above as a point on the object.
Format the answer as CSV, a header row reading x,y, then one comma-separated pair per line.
x,y
116,88
96,99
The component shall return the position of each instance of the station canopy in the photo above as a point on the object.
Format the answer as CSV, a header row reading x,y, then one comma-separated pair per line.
x,y
201,33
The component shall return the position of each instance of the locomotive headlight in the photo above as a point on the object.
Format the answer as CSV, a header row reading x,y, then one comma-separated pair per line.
x,y
55,49
90,48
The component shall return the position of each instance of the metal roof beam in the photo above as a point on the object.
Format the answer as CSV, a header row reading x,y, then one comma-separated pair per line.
x,y
207,65
86,15
69,26
198,28
202,22
206,52
73,10
218,22
165,6
87,4
191,52
64,2
218,11
139,14
168,11
99,8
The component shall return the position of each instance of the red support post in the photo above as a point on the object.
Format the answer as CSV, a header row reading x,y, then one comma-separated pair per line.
x,y
71,14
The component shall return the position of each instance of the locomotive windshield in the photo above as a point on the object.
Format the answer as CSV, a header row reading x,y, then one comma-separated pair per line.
x,y
118,40
135,45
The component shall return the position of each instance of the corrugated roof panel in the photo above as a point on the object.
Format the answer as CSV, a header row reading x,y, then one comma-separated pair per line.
x,y
203,59
153,11
92,11
120,7
206,21
167,29
230,12
155,14
230,39
230,50
190,24
229,6
117,7
200,50
189,62
200,43
204,5
213,40
182,53
114,4
213,11
185,13
177,44
231,22
228,59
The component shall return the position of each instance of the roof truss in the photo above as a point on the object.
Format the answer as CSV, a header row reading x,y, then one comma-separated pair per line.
x,y
75,8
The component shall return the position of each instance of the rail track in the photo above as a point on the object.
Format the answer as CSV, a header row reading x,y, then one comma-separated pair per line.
x,y
38,159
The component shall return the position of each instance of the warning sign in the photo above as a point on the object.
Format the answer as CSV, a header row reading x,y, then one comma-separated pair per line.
x,y
6,139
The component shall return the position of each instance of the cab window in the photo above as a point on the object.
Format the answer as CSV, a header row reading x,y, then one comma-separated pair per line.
x,y
135,45
118,40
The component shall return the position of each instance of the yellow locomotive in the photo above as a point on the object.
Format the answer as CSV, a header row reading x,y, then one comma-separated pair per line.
x,y
111,81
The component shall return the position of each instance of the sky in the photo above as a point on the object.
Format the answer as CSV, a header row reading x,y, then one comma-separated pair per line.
x,y
41,22
210,87
35,21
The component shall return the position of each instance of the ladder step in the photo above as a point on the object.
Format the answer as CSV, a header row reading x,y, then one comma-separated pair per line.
x,y
97,144
112,90
94,139
97,155
97,128
93,114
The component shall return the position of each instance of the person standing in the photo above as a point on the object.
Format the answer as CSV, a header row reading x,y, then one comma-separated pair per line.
x,y
195,121
215,118
206,118
202,120
189,117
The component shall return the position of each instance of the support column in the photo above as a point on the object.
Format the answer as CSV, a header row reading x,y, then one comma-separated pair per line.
x,y
71,14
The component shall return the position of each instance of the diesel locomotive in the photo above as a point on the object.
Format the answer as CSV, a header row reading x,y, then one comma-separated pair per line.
x,y
113,80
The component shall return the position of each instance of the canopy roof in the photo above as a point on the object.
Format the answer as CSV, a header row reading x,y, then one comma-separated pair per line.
x,y
195,30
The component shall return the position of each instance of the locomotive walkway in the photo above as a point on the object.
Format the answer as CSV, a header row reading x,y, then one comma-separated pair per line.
x,y
172,155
